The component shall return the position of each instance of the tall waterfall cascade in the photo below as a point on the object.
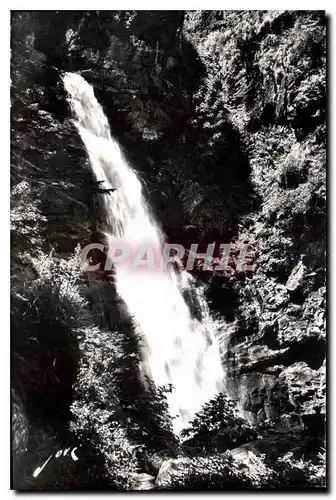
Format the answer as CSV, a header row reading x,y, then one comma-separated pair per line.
x,y
178,349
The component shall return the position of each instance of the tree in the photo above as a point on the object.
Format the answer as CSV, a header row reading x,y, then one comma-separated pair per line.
x,y
217,426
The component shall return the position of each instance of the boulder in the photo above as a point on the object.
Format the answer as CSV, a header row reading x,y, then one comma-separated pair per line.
x,y
170,468
296,277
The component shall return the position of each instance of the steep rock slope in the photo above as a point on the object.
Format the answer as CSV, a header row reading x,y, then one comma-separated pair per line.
x,y
267,71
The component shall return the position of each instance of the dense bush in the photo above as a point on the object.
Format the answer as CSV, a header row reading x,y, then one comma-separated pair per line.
x,y
45,313
218,472
292,473
227,472
113,411
217,426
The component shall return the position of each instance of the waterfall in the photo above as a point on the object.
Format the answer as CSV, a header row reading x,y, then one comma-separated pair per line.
x,y
178,349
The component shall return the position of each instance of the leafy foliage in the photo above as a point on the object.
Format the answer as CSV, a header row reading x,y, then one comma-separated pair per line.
x,y
45,314
293,473
227,472
217,472
218,426
27,63
26,216
112,410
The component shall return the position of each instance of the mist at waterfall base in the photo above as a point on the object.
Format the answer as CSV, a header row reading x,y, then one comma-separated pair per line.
x,y
179,349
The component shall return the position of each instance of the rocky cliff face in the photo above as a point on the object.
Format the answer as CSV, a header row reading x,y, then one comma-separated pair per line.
x,y
274,348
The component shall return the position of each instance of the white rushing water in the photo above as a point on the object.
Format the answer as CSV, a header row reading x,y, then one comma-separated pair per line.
x,y
178,349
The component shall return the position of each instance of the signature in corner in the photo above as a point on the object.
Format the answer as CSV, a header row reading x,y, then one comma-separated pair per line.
x,y
73,455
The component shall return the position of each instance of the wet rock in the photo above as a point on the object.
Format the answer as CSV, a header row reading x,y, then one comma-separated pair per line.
x,y
267,381
314,330
320,319
170,468
278,297
305,386
259,358
274,443
296,277
248,454
252,460
294,310
142,481
283,322
269,332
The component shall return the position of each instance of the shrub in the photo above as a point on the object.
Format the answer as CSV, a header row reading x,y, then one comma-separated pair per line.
x,y
112,411
218,472
25,217
217,426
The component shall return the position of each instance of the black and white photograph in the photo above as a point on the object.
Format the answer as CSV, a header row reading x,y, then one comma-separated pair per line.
x,y
168,250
